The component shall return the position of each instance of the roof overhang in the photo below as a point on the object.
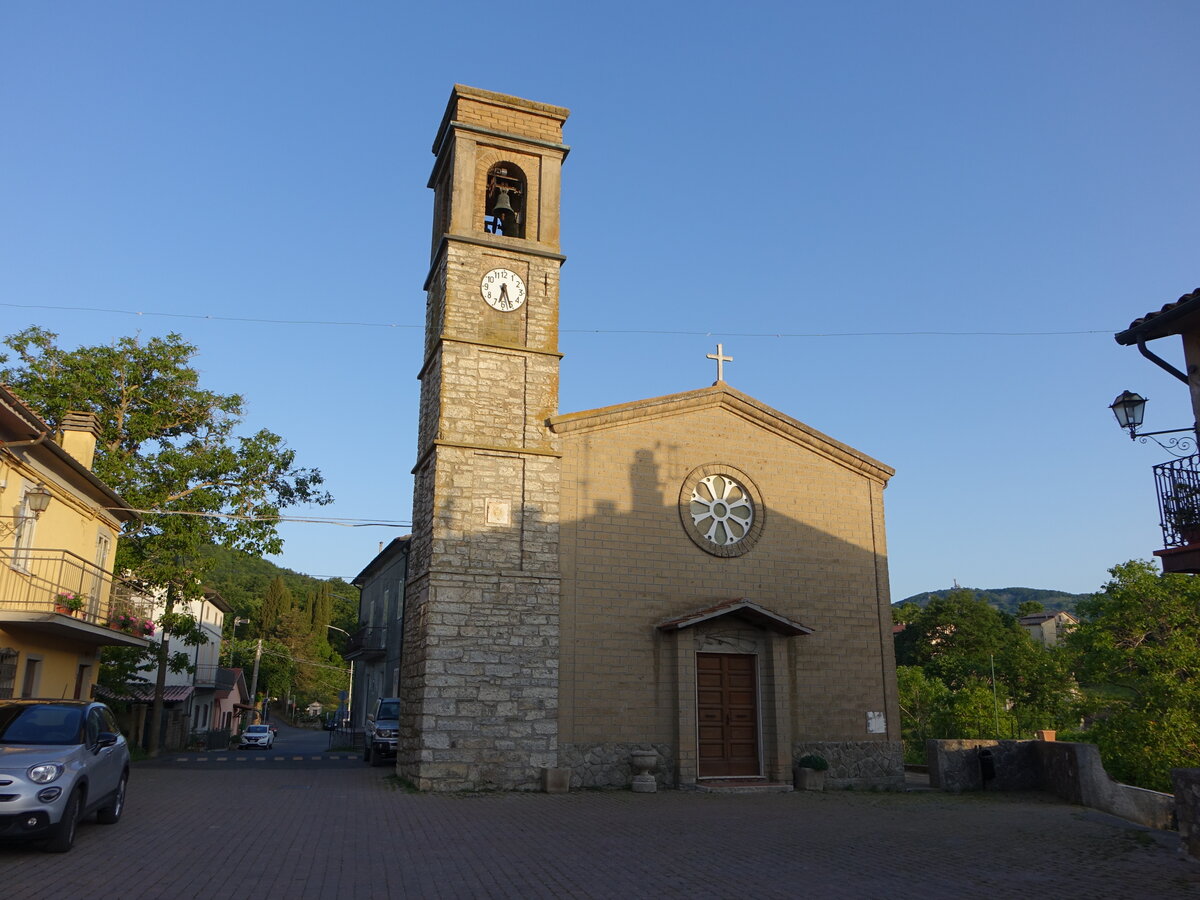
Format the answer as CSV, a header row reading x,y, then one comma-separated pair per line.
x,y
1180,317
743,609
395,549
144,693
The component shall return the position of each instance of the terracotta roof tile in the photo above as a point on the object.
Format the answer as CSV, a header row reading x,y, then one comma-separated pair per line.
x,y
1167,308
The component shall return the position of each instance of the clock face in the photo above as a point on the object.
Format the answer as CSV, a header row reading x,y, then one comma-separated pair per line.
x,y
503,290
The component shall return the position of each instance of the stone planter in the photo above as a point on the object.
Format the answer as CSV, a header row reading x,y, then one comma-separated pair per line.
x,y
643,762
805,779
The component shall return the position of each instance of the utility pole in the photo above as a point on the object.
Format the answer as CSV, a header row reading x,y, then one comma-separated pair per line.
x,y
995,699
254,680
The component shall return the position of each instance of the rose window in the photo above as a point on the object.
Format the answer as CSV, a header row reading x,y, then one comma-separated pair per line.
x,y
721,510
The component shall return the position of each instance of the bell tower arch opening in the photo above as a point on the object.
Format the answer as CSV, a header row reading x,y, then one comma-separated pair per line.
x,y
504,200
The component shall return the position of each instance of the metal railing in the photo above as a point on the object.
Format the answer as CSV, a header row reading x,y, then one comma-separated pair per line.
x,y
1178,486
34,580
367,640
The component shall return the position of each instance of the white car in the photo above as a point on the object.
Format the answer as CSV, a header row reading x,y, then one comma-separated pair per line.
x,y
257,736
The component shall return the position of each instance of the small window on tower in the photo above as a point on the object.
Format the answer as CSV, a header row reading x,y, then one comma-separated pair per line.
x,y
504,201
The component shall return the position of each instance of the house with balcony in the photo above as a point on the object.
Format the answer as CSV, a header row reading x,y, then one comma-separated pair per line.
x,y
194,691
59,602
1177,481
376,646
204,703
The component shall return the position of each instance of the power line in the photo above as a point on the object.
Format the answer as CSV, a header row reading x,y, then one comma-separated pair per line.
x,y
162,315
304,520
749,334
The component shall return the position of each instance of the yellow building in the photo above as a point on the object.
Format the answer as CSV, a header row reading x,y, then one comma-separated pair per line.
x,y
58,533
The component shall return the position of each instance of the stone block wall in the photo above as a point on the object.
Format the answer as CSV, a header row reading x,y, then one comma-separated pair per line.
x,y
858,764
1187,808
607,765
1072,771
955,765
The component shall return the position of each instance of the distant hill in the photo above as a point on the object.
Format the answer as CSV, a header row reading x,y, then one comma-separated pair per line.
x,y
242,580
1007,599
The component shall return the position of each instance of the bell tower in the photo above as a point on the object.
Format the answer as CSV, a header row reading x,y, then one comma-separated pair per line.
x,y
479,682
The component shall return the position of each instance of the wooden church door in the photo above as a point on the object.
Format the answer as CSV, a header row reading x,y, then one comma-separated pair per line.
x,y
727,715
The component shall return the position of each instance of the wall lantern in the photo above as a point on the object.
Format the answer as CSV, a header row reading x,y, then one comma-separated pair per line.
x,y
1130,409
37,500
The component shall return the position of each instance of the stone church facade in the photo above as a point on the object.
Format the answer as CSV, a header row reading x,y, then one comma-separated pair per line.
x,y
696,574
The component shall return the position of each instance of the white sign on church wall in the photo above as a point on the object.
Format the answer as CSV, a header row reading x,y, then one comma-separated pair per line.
x,y
499,512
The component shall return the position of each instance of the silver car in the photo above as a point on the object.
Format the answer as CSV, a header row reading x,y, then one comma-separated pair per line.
x,y
60,760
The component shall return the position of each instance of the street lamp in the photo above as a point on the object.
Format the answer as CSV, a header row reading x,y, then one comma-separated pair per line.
x,y
37,500
1130,409
349,693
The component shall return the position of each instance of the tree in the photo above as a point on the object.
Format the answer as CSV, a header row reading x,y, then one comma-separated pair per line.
x,y
903,613
171,449
965,644
955,637
1138,647
277,602
1029,607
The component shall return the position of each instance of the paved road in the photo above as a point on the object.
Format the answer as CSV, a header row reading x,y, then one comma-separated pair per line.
x,y
328,830
293,748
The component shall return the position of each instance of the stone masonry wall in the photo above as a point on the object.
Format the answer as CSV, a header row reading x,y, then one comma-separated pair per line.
x,y
1187,808
488,708
607,765
954,765
481,661
858,764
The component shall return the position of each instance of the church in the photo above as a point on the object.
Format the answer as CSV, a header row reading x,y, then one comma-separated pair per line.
x,y
696,575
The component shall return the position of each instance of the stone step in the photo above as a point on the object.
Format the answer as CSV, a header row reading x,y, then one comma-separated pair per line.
x,y
739,786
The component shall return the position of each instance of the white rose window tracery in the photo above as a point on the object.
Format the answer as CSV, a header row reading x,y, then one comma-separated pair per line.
x,y
721,509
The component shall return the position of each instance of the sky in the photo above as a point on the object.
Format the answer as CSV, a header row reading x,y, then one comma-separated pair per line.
x,y
914,226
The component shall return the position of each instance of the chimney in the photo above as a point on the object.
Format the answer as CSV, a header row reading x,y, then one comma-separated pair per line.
x,y
77,435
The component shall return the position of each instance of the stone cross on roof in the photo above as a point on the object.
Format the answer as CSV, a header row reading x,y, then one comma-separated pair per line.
x,y
721,359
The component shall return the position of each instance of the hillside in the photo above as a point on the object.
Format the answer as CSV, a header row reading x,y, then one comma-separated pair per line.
x,y
1007,599
242,580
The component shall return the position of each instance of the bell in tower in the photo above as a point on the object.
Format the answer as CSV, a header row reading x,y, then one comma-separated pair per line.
x,y
505,200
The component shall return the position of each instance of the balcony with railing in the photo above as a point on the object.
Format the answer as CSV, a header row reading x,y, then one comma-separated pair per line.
x,y
213,678
366,643
1178,486
40,589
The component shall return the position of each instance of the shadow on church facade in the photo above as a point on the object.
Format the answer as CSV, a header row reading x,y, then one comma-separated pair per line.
x,y
698,573
730,660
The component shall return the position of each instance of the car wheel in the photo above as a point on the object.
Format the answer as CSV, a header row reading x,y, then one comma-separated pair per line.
x,y
63,836
110,813
377,759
